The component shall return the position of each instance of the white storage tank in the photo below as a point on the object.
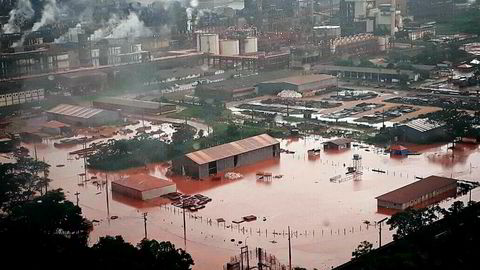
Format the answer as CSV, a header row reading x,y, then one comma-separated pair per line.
x,y
250,45
382,43
229,47
209,43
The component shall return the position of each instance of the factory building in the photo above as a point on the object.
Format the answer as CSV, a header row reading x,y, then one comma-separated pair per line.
x,y
303,83
10,97
238,88
82,116
420,131
367,73
133,105
418,194
210,161
83,82
143,187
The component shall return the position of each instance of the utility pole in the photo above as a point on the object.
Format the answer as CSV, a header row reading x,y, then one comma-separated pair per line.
x,y
289,251
145,223
85,158
76,194
106,194
184,225
380,231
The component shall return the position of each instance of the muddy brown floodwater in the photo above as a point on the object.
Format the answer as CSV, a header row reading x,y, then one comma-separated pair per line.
x,y
327,219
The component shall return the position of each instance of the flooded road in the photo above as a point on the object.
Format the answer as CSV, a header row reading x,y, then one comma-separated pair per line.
x,y
326,219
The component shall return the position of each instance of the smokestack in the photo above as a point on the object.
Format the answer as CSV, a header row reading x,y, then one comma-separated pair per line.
x,y
393,11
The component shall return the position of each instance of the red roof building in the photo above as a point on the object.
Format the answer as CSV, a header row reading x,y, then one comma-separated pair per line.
x,y
143,187
417,193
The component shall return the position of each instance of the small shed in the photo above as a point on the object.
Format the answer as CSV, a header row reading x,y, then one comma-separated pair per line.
x,y
337,144
398,150
143,187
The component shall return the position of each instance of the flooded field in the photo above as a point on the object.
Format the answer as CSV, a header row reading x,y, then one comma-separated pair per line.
x,y
326,219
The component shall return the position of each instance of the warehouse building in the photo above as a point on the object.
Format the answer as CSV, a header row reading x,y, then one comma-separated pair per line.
x,y
201,164
133,105
421,131
418,194
143,187
303,83
82,116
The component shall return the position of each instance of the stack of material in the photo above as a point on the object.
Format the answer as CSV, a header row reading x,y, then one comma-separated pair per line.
x,y
233,175
289,94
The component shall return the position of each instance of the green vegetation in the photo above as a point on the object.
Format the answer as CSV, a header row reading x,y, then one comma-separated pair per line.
x,y
457,123
425,240
362,249
465,22
122,154
144,149
46,227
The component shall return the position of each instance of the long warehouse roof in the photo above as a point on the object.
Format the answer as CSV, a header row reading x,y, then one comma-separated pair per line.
x,y
422,125
143,182
231,149
416,190
75,111
141,104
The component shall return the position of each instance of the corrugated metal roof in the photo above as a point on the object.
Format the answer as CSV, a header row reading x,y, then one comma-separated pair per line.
x,y
304,79
142,104
422,125
143,182
416,190
75,111
231,149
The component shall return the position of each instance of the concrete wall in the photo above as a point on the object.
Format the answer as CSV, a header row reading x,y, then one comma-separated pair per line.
x,y
129,192
154,193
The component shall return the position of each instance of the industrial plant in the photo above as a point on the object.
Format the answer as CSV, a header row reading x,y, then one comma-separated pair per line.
x,y
240,134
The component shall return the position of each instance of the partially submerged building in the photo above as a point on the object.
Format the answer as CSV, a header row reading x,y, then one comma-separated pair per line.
x,y
133,105
82,116
202,163
419,193
143,187
420,131
338,144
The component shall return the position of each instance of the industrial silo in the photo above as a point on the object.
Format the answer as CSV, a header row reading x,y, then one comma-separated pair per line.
x,y
229,47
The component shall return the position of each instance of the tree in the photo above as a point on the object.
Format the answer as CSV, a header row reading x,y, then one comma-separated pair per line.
x,y
183,134
412,220
164,255
232,130
362,249
22,180
457,123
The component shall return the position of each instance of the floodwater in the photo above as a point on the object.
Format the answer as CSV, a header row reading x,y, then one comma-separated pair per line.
x,y
326,219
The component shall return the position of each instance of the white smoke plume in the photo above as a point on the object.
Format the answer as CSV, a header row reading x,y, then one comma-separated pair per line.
x,y
132,26
49,14
18,16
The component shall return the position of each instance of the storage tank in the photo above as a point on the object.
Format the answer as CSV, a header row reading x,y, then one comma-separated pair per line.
x,y
229,47
209,43
382,43
250,45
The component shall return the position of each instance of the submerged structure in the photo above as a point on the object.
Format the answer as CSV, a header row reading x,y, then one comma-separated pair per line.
x,y
421,193
200,164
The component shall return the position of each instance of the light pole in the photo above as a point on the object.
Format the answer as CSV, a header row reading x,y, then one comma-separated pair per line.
x,y
380,232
